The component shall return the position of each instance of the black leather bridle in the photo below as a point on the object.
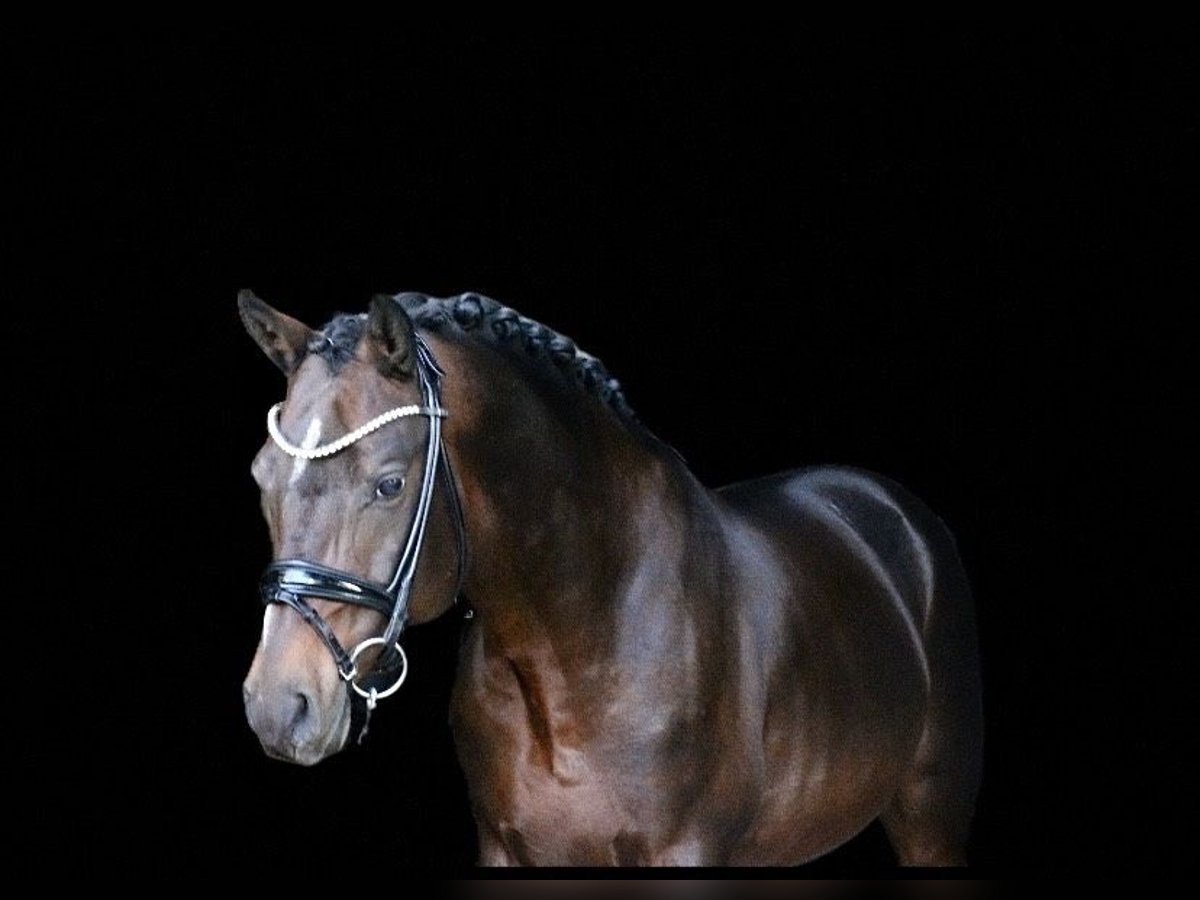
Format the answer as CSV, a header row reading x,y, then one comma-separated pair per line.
x,y
292,581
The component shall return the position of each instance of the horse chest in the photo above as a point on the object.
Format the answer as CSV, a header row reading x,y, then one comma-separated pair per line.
x,y
541,792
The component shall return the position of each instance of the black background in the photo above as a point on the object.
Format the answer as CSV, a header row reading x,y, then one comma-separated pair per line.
x,y
951,256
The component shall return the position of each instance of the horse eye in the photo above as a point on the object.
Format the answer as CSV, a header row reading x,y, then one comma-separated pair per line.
x,y
389,487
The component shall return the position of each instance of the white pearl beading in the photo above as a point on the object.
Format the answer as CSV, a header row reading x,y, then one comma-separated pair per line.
x,y
346,440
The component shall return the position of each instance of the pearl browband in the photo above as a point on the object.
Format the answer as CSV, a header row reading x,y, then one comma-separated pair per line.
x,y
346,440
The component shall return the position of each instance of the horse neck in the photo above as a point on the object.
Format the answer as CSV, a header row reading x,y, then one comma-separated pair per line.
x,y
558,496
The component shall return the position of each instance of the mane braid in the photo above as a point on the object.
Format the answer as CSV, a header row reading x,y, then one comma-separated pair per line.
x,y
477,313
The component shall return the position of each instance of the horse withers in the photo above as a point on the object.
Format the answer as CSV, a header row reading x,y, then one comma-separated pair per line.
x,y
656,673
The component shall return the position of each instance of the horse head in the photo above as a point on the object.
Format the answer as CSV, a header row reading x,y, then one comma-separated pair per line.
x,y
347,479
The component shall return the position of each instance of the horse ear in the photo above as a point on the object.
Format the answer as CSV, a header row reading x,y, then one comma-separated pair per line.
x,y
392,329
282,338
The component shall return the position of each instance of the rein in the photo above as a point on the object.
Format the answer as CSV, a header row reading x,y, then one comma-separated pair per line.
x,y
291,581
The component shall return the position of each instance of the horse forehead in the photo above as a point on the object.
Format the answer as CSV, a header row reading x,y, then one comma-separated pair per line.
x,y
322,406
356,385
314,411
311,389
337,400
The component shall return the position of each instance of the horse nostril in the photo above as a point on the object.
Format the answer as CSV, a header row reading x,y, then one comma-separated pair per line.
x,y
300,713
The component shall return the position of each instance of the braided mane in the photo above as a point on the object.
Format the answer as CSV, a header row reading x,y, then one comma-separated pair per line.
x,y
491,321
504,326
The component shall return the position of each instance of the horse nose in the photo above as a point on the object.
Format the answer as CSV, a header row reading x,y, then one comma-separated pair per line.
x,y
282,718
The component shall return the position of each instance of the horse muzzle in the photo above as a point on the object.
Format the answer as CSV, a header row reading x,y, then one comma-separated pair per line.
x,y
293,725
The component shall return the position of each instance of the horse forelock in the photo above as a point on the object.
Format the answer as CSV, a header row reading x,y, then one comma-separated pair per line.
x,y
337,340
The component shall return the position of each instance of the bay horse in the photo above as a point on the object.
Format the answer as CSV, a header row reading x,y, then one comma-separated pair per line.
x,y
656,673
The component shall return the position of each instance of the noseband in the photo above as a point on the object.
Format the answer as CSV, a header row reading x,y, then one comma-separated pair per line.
x,y
291,581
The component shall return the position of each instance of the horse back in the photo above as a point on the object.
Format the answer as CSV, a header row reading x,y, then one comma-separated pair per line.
x,y
888,530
